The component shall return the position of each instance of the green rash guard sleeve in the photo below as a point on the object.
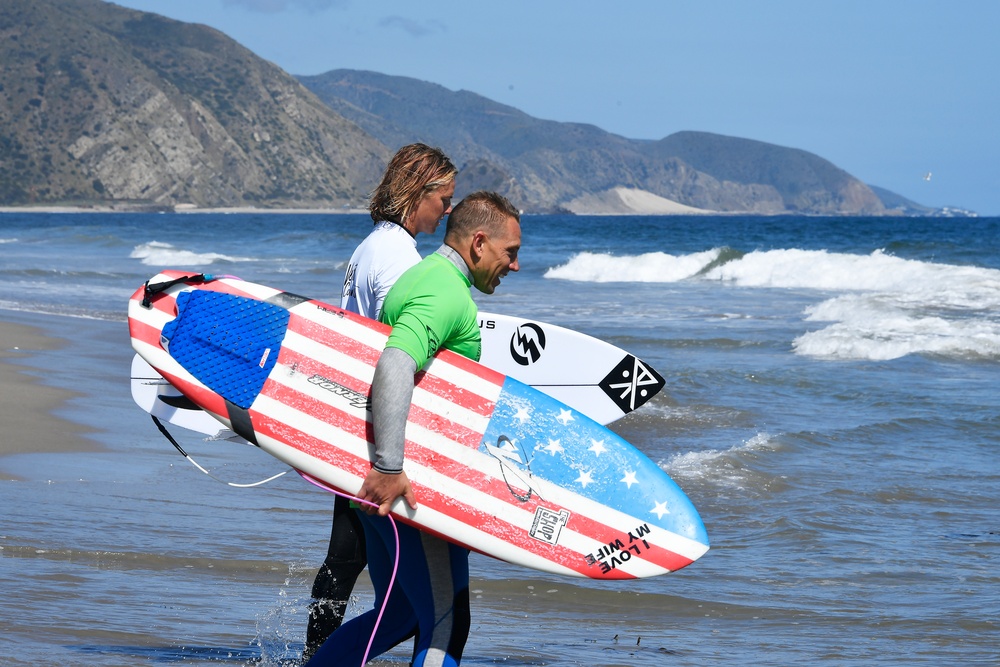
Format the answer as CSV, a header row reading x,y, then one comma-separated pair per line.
x,y
429,306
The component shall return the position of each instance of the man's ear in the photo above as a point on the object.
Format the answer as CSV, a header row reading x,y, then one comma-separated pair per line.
x,y
478,246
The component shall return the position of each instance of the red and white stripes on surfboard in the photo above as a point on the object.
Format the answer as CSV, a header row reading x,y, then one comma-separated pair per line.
x,y
441,452
316,398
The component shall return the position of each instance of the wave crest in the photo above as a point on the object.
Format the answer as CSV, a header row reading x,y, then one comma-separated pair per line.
x,y
882,307
651,267
156,253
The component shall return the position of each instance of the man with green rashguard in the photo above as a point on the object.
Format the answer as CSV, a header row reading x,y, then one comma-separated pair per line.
x,y
429,308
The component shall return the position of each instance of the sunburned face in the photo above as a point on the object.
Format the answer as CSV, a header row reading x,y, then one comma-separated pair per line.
x,y
498,257
431,208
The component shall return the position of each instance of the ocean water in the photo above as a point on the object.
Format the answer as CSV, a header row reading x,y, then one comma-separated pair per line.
x,y
832,408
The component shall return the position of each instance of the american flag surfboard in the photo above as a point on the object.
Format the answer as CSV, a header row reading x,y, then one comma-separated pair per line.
x,y
496,465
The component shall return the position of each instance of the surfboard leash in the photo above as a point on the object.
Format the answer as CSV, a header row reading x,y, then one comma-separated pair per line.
x,y
149,291
177,446
395,565
315,482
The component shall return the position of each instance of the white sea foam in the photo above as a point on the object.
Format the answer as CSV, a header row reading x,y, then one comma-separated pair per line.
x,y
877,327
725,467
819,269
156,253
651,267
61,311
883,307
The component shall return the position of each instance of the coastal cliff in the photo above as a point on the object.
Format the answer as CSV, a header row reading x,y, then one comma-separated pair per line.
x,y
104,104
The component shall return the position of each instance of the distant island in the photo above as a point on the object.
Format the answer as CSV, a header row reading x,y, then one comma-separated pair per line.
x,y
129,110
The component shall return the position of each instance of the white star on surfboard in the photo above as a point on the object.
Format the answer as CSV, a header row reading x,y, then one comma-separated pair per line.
x,y
660,510
585,478
554,447
597,446
565,417
522,415
629,478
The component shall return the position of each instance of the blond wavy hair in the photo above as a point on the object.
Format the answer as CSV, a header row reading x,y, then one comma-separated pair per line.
x,y
413,172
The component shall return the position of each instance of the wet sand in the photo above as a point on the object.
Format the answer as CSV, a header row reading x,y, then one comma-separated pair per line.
x,y
27,404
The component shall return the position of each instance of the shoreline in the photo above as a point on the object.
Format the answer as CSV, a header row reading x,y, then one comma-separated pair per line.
x,y
180,209
27,405
619,204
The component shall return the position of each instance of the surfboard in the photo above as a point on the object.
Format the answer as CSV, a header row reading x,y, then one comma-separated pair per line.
x,y
497,466
590,375
155,395
596,378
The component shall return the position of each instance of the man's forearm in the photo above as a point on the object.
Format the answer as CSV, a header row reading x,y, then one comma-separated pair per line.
x,y
392,392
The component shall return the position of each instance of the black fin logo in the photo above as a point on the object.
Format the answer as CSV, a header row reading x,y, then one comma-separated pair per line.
x,y
631,383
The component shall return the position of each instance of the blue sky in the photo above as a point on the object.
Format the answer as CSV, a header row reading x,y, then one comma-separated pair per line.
x,y
888,90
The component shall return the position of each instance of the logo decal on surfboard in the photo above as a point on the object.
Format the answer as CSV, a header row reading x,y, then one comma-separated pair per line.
x,y
355,398
527,343
631,383
548,524
513,468
610,556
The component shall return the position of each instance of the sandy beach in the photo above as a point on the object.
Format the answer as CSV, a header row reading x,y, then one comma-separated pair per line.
x,y
629,201
26,403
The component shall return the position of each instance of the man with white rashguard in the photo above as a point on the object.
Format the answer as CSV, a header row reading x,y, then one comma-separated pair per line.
x,y
413,196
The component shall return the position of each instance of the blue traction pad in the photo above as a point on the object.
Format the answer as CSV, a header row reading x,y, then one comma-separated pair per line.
x,y
230,343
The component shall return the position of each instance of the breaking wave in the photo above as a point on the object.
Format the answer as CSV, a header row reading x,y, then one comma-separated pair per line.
x,y
882,307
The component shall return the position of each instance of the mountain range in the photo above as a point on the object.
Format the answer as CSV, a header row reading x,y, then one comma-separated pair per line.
x,y
112,107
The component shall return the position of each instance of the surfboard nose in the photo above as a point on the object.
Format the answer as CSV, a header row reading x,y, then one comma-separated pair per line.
x,y
558,462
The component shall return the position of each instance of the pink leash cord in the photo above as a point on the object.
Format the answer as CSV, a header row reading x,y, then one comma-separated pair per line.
x,y
395,566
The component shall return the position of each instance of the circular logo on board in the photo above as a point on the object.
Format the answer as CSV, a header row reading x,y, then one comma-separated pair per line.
x,y
527,343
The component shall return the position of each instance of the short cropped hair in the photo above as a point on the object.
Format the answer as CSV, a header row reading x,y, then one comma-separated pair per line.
x,y
483,210
414,171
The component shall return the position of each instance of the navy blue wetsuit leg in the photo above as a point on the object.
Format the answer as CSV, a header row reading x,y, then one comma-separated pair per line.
x,y
430,596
